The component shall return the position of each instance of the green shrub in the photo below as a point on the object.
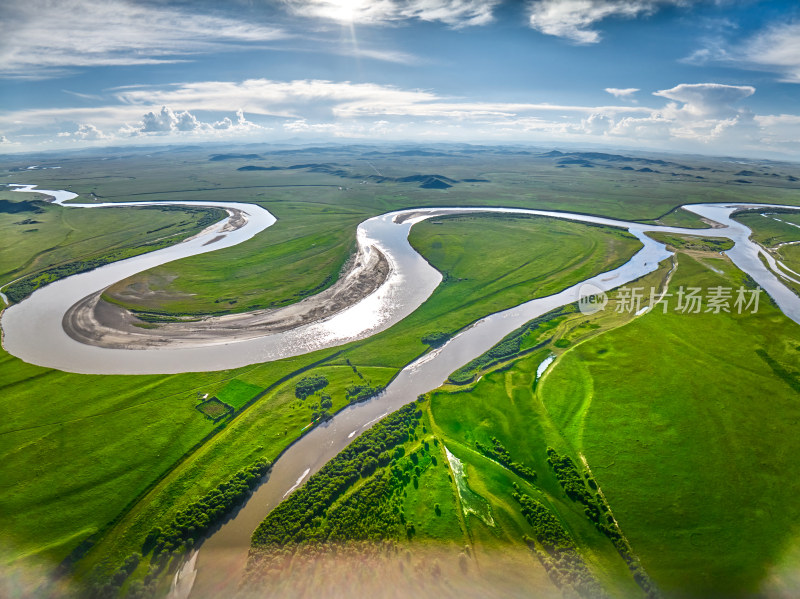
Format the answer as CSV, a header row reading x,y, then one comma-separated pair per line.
x,y
309,385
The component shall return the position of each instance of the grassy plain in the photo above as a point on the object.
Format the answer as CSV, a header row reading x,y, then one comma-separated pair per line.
x,y
49,236
93,434
699,471
771,229
494,279
485,551
404,505
337,187
695,445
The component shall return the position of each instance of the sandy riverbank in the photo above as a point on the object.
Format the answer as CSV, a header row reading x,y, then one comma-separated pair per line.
x,y
97,322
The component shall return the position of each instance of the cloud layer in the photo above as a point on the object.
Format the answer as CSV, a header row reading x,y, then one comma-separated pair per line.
x,y
42,38
697,116
776,48
575,19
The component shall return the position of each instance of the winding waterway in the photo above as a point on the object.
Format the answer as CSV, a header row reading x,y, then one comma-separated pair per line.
x,y
33,331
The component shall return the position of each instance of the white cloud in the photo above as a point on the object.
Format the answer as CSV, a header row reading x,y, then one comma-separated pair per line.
x,y
303,126
456,13
291,99
695,117
42,38
622,93
574,19
776,48
5,141
167,121
89,133
85,132
315,99
700,115
241,124
706,100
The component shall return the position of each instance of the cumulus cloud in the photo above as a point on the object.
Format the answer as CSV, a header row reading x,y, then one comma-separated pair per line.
x,y
44,38
622,93
4,140
241,124
84,132
699,113
166,121
574,19
90,133
456,13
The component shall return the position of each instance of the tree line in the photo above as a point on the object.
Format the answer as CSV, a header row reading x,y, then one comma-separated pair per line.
x,y
585,490
497,452
560,557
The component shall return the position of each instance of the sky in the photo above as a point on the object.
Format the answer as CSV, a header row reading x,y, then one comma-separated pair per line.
x,y
719,77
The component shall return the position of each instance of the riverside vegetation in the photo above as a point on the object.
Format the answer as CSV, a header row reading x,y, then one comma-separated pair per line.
x,y
557,428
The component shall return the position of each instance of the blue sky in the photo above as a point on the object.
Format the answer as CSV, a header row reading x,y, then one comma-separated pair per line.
x,y
706,76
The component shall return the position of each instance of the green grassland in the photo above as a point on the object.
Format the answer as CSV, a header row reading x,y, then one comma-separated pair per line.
x,y
698,471
790,256
410,497
188,453
47,238
691,243
770,232
321,203
496,279
392,488
695,445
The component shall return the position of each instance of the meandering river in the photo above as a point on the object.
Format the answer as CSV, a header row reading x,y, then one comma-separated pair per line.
x,y
33,331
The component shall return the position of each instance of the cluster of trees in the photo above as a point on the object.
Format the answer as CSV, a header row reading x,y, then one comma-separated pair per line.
x,y
309,385
12,207
584,490
572,482
436,339
19,290
560,558
109,588
507,348
192,522
356,499
499,453
356,393
307,517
